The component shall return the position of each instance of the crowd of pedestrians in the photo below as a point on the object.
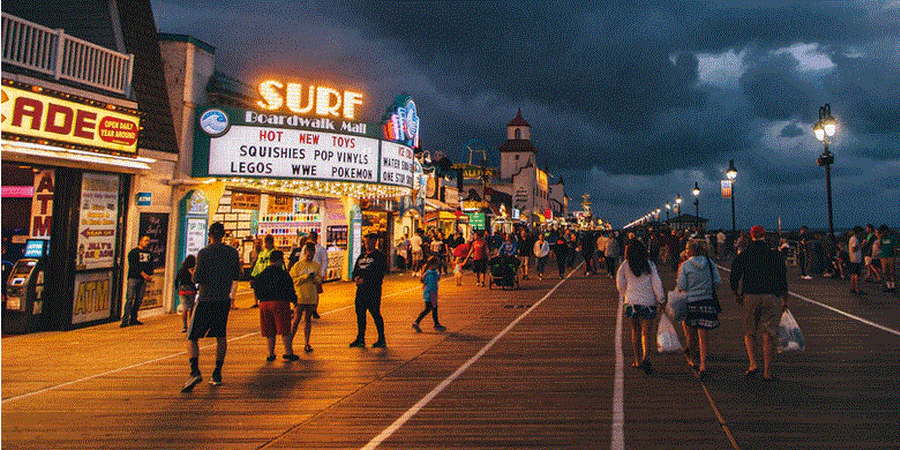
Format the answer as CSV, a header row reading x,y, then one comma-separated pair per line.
x,y
758,279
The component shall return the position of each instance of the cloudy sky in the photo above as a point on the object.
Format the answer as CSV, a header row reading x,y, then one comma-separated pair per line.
x,y
630,102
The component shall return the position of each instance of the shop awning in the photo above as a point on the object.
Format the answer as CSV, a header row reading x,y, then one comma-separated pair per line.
x,y
438,205
48,155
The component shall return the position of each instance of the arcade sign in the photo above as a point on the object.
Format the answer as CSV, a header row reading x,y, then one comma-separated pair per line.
x,y
35,115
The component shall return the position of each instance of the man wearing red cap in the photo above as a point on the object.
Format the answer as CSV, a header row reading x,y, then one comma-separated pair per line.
x,y
758,279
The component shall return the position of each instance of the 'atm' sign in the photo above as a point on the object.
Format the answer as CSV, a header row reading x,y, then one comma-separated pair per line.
x,y
35,115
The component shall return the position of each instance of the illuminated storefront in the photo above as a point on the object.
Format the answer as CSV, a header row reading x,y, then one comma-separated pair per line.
x,y
283,174
67,153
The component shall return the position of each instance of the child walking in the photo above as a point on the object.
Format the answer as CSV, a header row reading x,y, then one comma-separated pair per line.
x,y
430,294
187,290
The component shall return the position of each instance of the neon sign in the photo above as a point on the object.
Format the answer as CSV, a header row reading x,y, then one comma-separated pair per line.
x,y
401,122
319,100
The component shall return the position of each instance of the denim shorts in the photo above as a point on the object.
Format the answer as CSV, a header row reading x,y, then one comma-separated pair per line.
x,y
641,312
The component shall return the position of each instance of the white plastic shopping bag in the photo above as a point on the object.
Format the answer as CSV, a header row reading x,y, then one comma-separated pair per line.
x,y
666,337
790,338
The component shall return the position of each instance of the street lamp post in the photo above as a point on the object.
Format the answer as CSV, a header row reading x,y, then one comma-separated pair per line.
x,y
668,207
731,174
825,128
696,192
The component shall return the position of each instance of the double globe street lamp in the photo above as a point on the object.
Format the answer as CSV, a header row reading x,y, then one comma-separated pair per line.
x,y
731,174
825,128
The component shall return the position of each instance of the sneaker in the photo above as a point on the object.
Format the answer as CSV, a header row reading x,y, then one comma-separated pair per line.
x,y
440,328
270,358
123,325
315,315
291,357
216,378
184,329
137,322
307,348
194,380
806,277
379,344
417,328
357,344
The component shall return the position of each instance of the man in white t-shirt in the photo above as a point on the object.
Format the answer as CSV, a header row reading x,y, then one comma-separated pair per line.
x,y
415,244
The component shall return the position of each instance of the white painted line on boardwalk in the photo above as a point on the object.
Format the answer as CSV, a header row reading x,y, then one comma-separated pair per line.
x,y
163,358
377,440
618,405
831,308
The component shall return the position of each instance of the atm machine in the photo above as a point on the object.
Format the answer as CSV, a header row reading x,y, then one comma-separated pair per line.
x,y
25,289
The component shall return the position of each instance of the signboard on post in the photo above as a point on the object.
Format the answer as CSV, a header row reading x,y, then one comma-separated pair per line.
x,y
98,221
726,188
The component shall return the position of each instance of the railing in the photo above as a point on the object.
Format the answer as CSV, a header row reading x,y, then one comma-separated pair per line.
x,y
35,47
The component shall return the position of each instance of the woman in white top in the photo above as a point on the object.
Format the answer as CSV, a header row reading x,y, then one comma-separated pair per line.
x,y
638,282
541,250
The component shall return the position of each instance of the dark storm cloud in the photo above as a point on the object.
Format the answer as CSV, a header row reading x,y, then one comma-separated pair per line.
x,y
612,85
777,90
791,130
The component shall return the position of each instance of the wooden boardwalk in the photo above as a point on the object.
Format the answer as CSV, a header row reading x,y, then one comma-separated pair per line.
x,y
539,372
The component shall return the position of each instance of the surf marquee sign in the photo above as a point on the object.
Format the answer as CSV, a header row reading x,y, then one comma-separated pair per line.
x,y
231,142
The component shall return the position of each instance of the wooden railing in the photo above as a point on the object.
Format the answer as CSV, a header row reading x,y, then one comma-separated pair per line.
x,y
52,52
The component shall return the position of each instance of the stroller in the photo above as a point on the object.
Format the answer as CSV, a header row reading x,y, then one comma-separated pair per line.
x,y
504,272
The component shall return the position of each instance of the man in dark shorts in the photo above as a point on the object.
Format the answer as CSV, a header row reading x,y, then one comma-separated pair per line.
x,y
218,266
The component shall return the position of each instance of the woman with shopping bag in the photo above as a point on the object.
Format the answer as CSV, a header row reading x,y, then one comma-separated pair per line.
x,y
638,282
698,278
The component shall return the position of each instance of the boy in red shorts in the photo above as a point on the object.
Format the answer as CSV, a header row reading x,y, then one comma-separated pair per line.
x,y
275,291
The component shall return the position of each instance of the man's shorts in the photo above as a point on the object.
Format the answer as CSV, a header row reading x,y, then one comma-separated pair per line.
x,y
479,266
274,318
210,319
760,313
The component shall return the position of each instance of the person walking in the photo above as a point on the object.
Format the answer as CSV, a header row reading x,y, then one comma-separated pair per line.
x,y
307,278
887,250
368,274
639,285
416,250
430,279
274,290
803,252
855,251
460,255
478,253
218,266
758,280
541,252
526,250
561,252
187,290
586,243
140,272
321,257
698,279
262,260
611,255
